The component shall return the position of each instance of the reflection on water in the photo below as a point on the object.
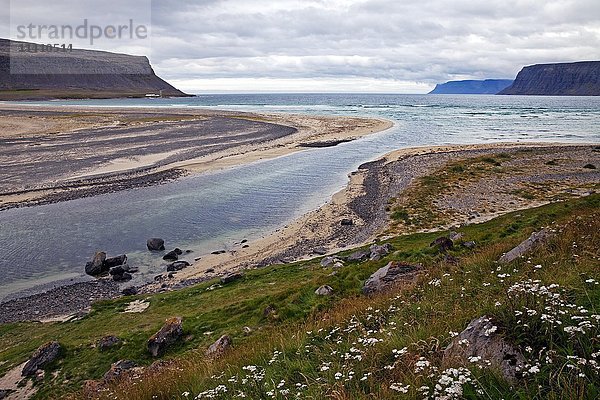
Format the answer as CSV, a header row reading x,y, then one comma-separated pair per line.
x,y
212,211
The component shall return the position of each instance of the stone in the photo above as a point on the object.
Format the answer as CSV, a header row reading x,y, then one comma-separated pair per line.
x,y
219,252
4,394
455,236
155,244
178,251
346,222
245,246
470,244
177,265
377,252
359,255
119,270
219,347
320,251
442,243
170,332
130,291
130,269
234,276
589,166
482,339
209,271
44,355
117,369
124,277
387,276
171,256
96,266
115,261
324,290
525,246
327,261
107,342
247,330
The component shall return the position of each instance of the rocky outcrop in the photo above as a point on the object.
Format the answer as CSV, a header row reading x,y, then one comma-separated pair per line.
x,y
96,266
482,344
385,277
564,79
487,86
43,356
166,336
76,74
219,347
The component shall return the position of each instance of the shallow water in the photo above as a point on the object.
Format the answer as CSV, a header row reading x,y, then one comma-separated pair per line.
x,y
45,244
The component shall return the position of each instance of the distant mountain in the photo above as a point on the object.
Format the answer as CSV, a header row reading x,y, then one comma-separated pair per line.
x,y
75,74
564,79
488,86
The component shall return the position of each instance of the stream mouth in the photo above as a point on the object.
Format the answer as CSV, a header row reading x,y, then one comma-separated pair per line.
x,y
48,245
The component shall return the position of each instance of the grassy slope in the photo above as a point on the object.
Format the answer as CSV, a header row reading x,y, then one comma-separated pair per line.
x,y
422,318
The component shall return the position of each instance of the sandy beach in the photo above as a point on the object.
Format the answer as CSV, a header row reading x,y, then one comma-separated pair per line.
x,y
50,154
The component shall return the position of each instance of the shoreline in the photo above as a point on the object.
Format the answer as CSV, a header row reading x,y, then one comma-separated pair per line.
x,y
364,200
230,139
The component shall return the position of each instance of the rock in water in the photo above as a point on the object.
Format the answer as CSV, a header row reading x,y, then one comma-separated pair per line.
x,y
177,266
481,339
525,246
219,347
171,256
386,276
96,266
324,290
155,244
43,356
115,261
166,336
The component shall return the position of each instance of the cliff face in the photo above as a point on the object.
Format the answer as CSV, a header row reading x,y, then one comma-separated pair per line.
x,y
488,86
565,79
76,74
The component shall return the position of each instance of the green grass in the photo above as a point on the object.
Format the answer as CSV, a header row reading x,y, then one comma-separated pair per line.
x,y
207,314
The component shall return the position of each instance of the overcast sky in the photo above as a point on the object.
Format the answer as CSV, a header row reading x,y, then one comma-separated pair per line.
x,y
399,46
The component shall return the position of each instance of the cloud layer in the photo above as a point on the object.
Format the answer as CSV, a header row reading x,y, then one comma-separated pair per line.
x,y
370,45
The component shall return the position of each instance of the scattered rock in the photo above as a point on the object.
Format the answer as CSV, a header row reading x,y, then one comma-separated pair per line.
x,y
481,339
210,270
96,266
327,261
171,256
219,252
115,261
470,244
219,347
589,166
324,290
455,236
442,243
177,265
359,255
377,252
130,291
130,269
119,270
43,356
188,251
244,241
155,244
117,369
107,342
166,336
245,246
525,246
337,265
124,277
346,222
386,276
4,394
247,330
234,276
320,251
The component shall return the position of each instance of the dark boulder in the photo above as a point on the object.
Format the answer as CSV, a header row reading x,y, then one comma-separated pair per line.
x,y
130,291
119,270
155,244
115,261
177,266
346,222
43,356
171,256
219,252
96,266
442,243
171,331
234,276
219,347
210,270
107,342
387,276
124,277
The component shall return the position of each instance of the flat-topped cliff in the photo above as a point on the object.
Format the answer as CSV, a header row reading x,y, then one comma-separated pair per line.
x,y
487,86
563,79
75,74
